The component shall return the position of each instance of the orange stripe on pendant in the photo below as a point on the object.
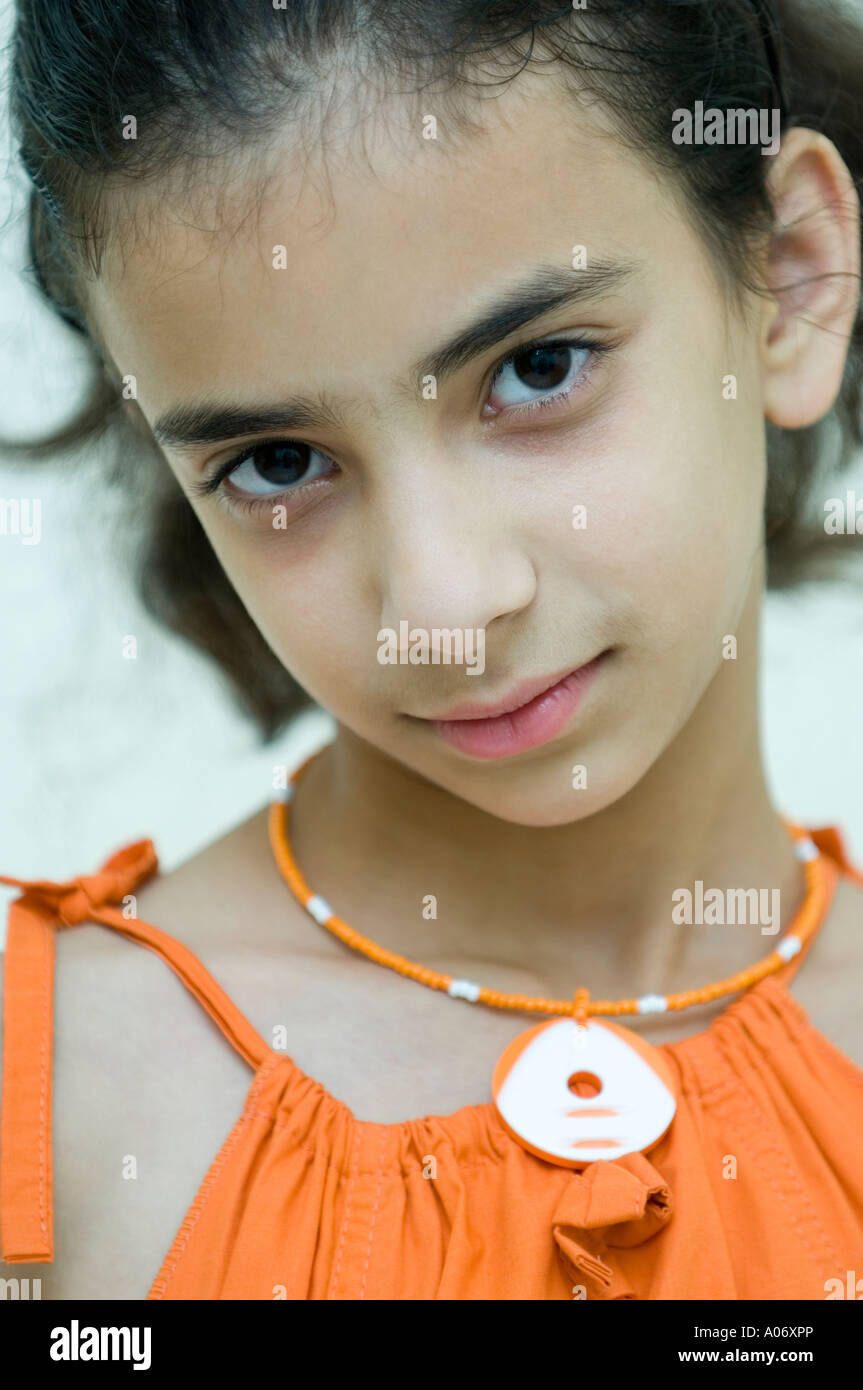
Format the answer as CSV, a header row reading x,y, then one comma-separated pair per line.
x,y
599,1113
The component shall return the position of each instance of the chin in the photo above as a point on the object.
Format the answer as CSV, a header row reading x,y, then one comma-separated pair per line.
x,y
546,796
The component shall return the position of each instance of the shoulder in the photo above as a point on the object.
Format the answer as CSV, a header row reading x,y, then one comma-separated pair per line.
x,y
230,907
139,1070
228,904
230,893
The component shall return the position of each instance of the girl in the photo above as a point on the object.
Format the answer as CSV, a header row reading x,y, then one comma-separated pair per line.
x,y
483,356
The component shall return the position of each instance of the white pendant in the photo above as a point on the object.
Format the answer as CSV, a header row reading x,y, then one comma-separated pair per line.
x,y
576,1093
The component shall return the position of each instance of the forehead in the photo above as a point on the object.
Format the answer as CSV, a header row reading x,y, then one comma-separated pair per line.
x,y
368,248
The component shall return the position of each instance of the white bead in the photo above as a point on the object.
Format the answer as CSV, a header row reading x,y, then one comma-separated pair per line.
x,y
464,989
319,908
788,947
285,793
806,849
652,1004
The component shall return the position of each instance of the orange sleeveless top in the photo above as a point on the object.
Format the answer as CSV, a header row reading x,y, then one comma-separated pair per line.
x,y
756,1192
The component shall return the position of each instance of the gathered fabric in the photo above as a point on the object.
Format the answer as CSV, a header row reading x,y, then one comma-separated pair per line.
x,y
755,1192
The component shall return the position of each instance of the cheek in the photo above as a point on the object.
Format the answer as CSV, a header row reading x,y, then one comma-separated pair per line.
x,y
672,488
303,594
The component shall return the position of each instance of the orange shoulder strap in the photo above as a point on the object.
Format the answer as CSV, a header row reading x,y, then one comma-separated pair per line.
x,y
26,1206
830,841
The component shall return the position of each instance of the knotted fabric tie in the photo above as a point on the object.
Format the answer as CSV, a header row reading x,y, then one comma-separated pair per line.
x,y
610,1203
75,901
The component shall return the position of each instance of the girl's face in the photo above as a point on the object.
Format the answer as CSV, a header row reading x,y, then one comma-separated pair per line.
x,y
414,465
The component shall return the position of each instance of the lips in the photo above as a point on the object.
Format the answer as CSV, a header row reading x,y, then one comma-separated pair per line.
x,y
520,696
533,714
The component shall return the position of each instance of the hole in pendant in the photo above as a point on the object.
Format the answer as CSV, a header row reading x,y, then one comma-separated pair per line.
x,y
584,1084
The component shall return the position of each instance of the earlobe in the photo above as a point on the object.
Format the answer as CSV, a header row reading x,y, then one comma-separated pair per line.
x,y
813,272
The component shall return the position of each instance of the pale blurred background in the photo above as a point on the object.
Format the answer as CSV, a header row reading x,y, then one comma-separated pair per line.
x,y
96,750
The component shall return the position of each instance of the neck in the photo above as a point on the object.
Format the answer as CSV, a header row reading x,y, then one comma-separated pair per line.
x,y
591,899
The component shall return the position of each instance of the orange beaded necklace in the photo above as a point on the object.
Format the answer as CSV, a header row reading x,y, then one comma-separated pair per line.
x,y
547,1050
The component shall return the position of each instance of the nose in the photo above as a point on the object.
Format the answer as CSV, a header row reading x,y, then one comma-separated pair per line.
x,y
450,553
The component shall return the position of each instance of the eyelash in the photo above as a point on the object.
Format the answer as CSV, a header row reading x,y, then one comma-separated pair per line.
x,y
214,484
589,345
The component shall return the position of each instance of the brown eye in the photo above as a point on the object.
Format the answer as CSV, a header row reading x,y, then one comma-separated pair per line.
x,y
277,466
540,372
543,368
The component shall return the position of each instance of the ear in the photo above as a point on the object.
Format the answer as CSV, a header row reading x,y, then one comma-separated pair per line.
x,y
813,272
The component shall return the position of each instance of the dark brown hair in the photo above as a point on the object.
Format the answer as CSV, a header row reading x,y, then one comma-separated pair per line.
x,y
210,79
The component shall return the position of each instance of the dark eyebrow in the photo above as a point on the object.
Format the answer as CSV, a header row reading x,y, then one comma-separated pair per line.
x,y
547,288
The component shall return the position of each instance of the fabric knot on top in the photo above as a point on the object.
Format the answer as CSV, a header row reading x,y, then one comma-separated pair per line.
x,y
75,901
620,1202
